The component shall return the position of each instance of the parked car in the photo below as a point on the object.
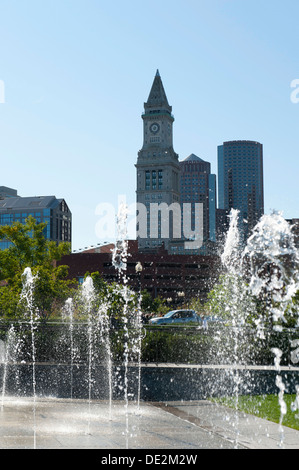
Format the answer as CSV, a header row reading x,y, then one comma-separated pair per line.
x,y
176,317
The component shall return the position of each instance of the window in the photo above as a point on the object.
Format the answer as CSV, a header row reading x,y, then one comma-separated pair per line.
x,y
147,180
160,179
154,179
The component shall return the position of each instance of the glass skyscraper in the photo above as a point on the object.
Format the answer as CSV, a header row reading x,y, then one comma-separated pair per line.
x,y
240,181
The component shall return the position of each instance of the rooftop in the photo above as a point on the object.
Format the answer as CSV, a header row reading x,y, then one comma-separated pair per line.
x,y
16,203
193,158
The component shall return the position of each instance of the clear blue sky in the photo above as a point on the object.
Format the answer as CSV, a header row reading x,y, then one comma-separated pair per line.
x,y
77,73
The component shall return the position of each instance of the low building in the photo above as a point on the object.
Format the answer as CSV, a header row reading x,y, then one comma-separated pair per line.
x,y
55,212
7,192
175,277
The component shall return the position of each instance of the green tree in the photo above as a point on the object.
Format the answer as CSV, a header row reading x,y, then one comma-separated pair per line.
x,y
29,248
157,306
231,300
115,297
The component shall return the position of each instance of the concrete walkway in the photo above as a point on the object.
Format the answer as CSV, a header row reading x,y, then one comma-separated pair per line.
x,y
245,431
77,424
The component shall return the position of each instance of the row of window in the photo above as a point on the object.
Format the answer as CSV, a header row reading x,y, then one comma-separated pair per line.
x,y
154,140
153,197
153,179
58,229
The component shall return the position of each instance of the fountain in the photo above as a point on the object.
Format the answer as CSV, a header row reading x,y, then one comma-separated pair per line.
x,y
92,387
68,315
274,275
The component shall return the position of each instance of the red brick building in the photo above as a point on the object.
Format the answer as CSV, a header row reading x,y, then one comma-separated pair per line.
x,y
162,274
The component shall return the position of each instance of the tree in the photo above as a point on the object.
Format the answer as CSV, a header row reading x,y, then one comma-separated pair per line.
x,y
156,306
292,314
115,297
30,249
231,300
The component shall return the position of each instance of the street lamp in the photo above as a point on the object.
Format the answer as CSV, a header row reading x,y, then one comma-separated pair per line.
x,y
138,267
181,295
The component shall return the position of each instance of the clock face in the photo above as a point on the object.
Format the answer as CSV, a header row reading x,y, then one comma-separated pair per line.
x,y
154,128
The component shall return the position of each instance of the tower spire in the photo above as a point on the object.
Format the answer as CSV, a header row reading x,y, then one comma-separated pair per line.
x,y
157,98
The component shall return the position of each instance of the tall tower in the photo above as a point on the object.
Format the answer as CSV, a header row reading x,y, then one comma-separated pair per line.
x,y
158,174
241,182
198,185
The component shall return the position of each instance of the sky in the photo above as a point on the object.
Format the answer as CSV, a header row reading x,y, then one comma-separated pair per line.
x,y
74,75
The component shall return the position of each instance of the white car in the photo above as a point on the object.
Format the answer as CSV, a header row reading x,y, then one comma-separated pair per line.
x,y
176,317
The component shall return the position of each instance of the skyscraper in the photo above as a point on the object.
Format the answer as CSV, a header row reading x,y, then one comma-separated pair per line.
x,y
240,181
198,185
158,173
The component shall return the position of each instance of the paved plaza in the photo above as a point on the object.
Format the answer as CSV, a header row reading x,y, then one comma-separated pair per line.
x,y
50,423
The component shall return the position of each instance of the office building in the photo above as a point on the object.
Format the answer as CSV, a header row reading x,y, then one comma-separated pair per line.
x,y
198,186
240,181
49,209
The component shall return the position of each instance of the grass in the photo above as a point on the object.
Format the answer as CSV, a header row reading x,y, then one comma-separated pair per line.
x,y
266,407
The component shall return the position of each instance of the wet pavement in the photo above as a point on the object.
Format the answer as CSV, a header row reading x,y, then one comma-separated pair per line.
x,y
50,423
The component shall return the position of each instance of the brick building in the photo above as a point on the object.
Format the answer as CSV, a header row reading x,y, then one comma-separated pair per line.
x,y
162,274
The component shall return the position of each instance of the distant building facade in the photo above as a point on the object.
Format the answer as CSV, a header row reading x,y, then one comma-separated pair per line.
x,y
241,181
294,224
222,225
55,212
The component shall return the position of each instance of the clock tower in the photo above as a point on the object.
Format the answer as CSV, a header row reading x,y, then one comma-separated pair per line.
x,y
158,174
